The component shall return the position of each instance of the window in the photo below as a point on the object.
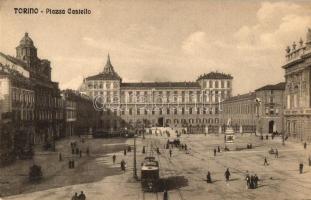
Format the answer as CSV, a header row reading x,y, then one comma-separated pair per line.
x,y
175,111
168,111
210,84
160,111
271,98
168,96
190,96
190,111
138,111
216,84
222,84
130,111
146,112
183,110
228,84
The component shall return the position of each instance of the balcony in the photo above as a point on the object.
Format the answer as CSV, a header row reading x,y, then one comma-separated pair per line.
x,y
297,111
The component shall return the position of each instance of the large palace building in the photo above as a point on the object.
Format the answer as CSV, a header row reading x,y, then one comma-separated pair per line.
x,y
175,104
298,89
29,99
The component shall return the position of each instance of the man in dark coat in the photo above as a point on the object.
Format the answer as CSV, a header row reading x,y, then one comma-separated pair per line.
x,y
165,195
227,174
256,179
82,196
301,168
208,177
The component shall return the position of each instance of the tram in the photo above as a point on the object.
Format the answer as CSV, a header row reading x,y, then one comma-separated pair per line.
x,y
150,174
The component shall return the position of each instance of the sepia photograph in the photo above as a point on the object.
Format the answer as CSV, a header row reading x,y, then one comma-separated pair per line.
x,y
155,99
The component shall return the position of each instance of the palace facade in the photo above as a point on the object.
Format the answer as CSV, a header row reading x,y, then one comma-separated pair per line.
x,y
298,89
175,104
30,100
260,111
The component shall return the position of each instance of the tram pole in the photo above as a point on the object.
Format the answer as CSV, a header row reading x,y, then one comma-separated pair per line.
x,y
134,164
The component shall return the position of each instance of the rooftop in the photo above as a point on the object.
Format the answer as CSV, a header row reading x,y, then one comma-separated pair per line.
x,y
107,74
279,86
161,85
247,96
215,75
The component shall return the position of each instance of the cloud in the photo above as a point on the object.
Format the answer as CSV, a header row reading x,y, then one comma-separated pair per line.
x,y
194,43
277,24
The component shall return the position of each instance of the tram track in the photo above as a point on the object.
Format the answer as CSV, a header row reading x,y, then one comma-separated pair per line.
x,y
171,171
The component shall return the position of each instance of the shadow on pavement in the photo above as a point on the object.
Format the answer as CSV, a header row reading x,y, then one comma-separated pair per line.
x,y
172,183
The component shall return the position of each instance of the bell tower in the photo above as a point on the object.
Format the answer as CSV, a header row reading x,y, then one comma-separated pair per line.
x,y
26,51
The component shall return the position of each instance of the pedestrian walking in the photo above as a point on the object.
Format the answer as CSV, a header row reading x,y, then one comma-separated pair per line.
x,y
256,179
248,180
122,165
251,184
214,152
309,160
305,145
276,153
114,158
227,174
124,152
265,162
75,197
82,196
208,177
218,149
170,152
144,150
165,195
301,168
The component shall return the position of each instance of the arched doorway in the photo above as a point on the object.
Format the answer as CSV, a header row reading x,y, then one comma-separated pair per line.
x,y
271,126
160,121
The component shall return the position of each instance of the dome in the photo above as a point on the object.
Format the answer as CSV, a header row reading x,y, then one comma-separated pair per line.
x,y
26,40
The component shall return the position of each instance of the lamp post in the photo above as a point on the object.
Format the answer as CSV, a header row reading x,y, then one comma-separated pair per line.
x,y
134,161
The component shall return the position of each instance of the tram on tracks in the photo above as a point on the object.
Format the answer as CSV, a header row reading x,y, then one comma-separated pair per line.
x,y
150,175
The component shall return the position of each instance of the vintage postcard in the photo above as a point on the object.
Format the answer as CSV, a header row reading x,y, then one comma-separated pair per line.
x,y
155,99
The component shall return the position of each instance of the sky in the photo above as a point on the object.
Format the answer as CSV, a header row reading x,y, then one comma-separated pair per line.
x,y
161,40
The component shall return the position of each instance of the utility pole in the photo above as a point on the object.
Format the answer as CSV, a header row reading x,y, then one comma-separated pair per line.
x,y
134,165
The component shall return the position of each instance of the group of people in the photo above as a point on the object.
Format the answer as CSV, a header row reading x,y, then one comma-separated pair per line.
x,y
75,150
216,150
81,196
251,181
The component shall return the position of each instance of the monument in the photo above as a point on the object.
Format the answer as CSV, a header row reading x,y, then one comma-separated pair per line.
x,y
229,133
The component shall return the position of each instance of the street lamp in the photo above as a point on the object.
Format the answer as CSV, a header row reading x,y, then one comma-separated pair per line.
x,y
134,161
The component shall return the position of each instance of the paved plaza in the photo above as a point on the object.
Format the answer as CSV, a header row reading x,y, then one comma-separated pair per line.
x,y
184,173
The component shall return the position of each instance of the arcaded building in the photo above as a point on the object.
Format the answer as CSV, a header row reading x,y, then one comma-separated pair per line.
x,y
175,104
298,89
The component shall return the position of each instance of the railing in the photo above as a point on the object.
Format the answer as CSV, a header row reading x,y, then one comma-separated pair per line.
x,y
302,111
